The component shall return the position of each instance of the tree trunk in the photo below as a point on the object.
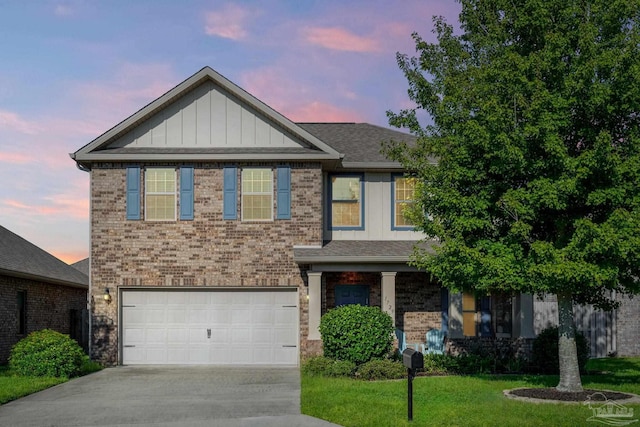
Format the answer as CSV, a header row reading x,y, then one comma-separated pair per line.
x,y
568,356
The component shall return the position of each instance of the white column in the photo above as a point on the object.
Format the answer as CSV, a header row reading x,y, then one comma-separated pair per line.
x,y
524,316
315,304
389,294
455,315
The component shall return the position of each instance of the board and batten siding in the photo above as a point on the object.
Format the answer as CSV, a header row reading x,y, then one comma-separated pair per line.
x,y
377,213
205,118
598,326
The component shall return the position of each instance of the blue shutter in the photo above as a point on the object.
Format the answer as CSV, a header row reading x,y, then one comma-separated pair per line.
x,y
230,185
444,307
133,192
186,193
485,316
284,193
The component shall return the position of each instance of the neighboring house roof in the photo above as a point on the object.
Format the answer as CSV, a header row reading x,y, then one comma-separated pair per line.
x,y
360,251
20,258
110,146
82,266
360,143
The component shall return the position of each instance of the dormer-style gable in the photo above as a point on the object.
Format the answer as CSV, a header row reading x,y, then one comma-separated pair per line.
x,y
206,118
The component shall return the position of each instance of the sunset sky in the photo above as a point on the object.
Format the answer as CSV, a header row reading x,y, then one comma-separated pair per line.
x,y
70,70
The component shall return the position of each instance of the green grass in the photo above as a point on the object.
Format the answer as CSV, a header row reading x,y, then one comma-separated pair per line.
x,y
14,387
458,400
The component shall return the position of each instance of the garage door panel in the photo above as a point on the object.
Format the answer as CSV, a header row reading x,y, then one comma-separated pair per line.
x,y
246,327
176,315
177,336
155,315
133,335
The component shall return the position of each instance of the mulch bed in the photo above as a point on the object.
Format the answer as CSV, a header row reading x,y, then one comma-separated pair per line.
x,y
551,393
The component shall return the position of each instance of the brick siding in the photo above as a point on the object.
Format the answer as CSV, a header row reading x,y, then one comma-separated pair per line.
x,y
48,307
205,252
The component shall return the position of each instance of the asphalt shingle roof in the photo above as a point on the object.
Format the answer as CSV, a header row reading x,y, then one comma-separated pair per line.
x,y
20,258
394,251
359,142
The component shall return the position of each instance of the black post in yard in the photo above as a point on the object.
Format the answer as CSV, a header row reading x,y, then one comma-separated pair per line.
x,y
410,393
412,360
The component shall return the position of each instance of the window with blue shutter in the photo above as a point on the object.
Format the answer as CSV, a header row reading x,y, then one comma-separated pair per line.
x,y
230,188
485,317
133,193
284,193
444,309
186,193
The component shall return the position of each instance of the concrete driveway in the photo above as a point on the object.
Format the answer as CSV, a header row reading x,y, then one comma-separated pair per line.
x,y
167,396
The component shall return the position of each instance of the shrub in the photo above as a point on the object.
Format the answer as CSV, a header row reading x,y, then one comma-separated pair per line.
x,y
342,368
47,353
316,365
545,351
436,364
384,369
356,333
324,366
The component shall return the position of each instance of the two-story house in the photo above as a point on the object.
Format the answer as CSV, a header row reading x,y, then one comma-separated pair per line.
x,y
221,231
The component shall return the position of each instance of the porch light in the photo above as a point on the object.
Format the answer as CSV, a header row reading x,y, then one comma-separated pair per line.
x,y
107,296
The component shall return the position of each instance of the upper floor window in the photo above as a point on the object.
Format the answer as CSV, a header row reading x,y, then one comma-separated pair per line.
x,y
164,190
403,196
160,194
347,202
257,194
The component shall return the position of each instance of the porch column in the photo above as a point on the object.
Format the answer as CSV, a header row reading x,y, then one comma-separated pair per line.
x,y
524,317
455,315
315,304
389,294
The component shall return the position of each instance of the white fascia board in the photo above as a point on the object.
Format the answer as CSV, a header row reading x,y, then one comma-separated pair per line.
x,y
97,157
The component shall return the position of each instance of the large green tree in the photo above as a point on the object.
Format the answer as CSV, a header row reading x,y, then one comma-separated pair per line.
x,y
529,167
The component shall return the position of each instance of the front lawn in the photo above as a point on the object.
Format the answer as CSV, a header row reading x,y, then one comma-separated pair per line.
x,y
460,400
14,387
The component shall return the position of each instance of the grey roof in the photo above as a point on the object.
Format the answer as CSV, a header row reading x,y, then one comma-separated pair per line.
x,y
20,258
82,266
359,142
360,251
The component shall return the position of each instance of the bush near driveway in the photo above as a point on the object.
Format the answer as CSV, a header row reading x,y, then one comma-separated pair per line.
x,y
47,353
356,333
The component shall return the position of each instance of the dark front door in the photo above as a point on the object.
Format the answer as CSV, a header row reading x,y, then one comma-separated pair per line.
x,y
352,294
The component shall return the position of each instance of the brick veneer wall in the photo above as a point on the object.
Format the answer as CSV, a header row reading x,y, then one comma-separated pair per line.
x,y
205,252
418,305
628,326
48,307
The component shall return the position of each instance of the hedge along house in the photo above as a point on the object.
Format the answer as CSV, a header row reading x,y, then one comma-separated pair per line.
x,y
37,291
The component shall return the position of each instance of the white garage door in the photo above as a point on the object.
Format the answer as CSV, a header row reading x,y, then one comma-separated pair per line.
x,y
241,327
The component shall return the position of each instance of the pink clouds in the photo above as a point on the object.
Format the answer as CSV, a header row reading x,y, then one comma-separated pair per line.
x,y
297,100
15,158
316,111
230,22
340,39
58,205
13,122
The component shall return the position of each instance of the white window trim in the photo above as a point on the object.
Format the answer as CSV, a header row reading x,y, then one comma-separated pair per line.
x,y
266,193
168,193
